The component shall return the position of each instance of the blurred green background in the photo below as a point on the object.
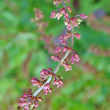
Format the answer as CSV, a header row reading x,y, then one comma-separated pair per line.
x,y
22,56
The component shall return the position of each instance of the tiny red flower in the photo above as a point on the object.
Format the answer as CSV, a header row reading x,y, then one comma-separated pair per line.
x,y
47,88
69,9
35,81
27,101
57,2
69,26
45,73
38,14
57,81
67,66
56,58
58,49
75,58
52,14
78,36
83,16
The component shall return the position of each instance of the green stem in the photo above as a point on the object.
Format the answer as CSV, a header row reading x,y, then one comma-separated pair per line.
x,y
55,71
72,30
58,66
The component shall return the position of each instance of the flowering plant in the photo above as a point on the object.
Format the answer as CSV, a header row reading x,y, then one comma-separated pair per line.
x,y
30,100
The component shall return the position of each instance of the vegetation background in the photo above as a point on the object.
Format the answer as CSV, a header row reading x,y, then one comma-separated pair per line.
x,y
22,55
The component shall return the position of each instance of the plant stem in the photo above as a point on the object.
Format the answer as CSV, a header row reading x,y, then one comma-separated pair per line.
x,y
72,38
60,63
72,30
38,90
55,71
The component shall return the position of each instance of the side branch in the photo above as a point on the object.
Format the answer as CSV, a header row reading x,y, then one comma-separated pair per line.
x,y
50,78
72,30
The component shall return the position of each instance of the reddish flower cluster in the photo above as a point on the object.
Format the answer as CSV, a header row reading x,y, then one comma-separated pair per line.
x,y
36,82
45,73
66,65
58,14
56,58
74,21
27,101
71,23
47,88
38,14
83,16
57,2
63,38
74,58
57,81
78,36
38,20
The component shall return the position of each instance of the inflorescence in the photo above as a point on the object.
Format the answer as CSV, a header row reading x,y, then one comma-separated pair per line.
x,y
30,100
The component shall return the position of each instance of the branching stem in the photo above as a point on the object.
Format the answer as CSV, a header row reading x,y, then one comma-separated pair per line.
x,y
72,30
60,63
